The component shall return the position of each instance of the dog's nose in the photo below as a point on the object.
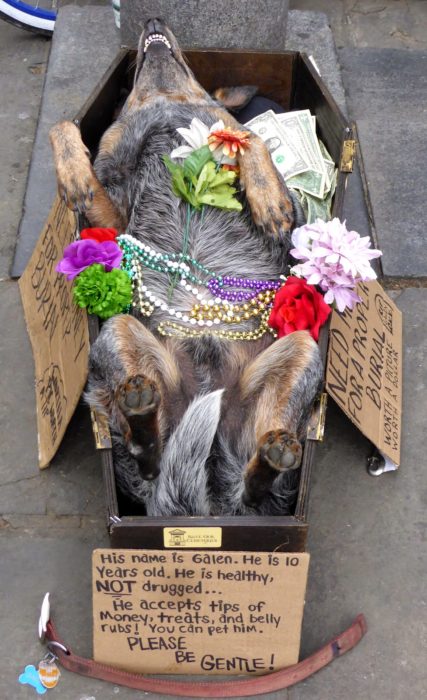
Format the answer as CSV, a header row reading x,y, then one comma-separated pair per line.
x,y
155,26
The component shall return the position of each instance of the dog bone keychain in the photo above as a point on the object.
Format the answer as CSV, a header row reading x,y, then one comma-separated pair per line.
x,y
45,677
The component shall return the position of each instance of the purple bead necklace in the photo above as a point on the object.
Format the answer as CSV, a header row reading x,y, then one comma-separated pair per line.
x,y
216,287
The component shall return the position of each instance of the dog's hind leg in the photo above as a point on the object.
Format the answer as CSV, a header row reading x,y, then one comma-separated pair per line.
x,y
78,184
280,385
130,375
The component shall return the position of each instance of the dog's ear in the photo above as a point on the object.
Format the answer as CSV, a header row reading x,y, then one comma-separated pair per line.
x,y
235,98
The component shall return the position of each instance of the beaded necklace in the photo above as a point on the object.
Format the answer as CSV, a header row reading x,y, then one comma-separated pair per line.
x,y
254,303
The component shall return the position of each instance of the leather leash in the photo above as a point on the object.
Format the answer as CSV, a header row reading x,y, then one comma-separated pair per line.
x,y
206,689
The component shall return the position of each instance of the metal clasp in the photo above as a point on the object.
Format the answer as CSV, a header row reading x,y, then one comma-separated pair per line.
x,y
347,155
316,424
101,430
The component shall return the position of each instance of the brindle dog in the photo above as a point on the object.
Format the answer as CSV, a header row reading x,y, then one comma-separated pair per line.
x,y
200,425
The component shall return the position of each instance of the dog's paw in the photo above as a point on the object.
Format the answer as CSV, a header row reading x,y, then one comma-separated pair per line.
x,y
138,396
280,450
267,195
273,215
77,189
76,179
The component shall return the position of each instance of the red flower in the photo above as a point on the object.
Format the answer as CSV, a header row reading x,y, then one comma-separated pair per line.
x,y
298,306
99,234
231,141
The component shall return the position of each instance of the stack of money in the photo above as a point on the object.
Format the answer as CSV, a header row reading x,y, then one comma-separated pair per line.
x,y
300,158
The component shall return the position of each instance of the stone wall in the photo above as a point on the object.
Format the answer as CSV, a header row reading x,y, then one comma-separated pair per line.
x,y
243,24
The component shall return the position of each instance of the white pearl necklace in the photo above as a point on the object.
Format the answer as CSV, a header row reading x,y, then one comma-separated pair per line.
x,y
153,302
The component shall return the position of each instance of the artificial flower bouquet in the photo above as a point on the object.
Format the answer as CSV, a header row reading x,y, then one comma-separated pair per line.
x,y
107,269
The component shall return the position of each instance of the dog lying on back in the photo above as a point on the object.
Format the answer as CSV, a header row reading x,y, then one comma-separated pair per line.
x,y
201,424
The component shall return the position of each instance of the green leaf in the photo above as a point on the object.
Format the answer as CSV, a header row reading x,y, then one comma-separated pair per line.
x,y
205,178
223,177
171,165
204,186
179,186
194,163
222,189
223,199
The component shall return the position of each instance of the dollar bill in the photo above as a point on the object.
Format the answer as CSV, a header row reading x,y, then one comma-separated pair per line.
x,y
320,208
285,155
324,151
302,200
311,182
299,126
301,158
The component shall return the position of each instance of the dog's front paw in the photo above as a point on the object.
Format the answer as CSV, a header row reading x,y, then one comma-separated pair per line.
x,y
76,180
272,211
266,192
77,189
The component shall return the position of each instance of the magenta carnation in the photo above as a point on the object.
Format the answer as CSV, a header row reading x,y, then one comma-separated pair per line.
x,y
334,259
83,253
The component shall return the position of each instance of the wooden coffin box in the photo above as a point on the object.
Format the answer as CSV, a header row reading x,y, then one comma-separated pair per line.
x,y
290,79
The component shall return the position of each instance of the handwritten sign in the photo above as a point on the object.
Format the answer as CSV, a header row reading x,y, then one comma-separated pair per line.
x,y
58,332
364,368
198,612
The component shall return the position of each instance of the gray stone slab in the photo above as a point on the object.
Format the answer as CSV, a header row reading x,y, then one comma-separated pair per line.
x,y
366,540
18,454
23,489
58,490
207,24
23,63
386,95
85,42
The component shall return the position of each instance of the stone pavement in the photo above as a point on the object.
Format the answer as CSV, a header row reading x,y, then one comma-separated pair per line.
x,y
366,534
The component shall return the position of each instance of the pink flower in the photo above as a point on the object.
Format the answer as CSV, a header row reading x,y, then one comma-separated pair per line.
x,y
334,259
83,253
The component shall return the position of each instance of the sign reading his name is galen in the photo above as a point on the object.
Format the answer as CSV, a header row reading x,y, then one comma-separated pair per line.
x,y
364,369
198,612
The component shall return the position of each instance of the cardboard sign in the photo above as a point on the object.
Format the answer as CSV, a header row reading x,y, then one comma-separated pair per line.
x,y
364,368
58,332
198,612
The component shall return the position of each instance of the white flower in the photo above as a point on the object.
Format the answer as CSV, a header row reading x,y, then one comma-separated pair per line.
x,y
196,137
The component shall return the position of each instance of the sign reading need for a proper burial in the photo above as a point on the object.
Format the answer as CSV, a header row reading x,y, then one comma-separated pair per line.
x,y
198,612
58,331
364,370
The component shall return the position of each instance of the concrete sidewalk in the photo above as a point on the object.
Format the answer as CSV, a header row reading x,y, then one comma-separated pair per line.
x,y
367,535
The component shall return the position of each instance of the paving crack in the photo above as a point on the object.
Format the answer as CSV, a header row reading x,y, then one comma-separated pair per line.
x,y
371,11
18,481
389,282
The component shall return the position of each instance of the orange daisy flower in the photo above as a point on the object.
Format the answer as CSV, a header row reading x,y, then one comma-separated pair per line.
x,y
231,141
